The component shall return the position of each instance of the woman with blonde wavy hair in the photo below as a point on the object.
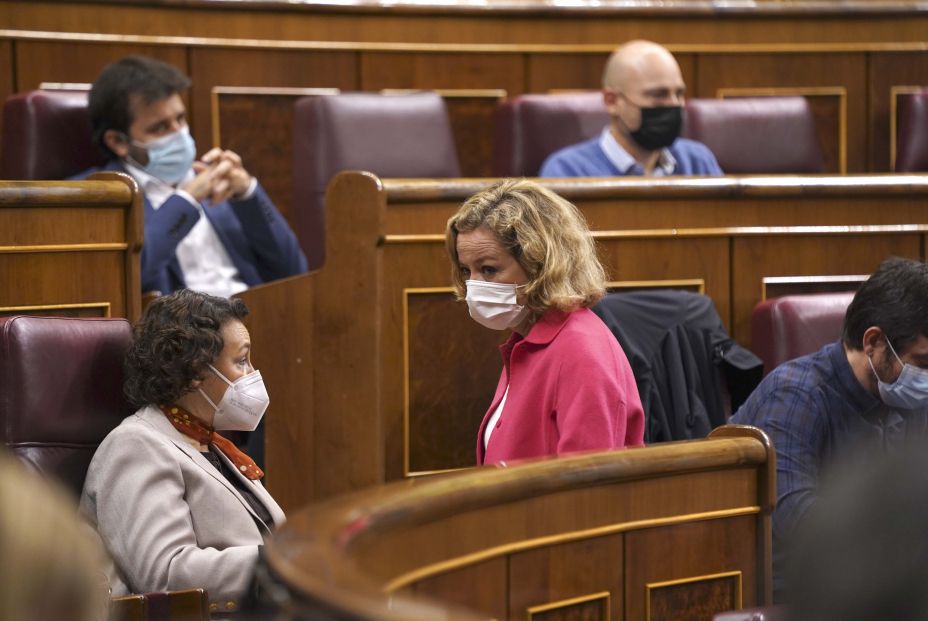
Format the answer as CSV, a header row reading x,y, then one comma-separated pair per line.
x,y
523,259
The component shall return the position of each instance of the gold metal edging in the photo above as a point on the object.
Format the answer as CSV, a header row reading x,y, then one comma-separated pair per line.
x,y
728,574
451,93
539,542
62,248
731,231
44,307
510,48
805,91
699,283
564,603
824,278
894,93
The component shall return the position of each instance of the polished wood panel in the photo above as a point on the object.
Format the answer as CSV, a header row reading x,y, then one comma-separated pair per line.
x,y
472,120
481,587
554,538
435,440
210,68
798,73
265,141
7,81
71,247
380,70
889,71
281,327
669,555
59,61
568,571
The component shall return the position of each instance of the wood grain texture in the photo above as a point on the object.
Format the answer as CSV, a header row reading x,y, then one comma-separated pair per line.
x,y
281,327
888,70
73,243
261,68
542,532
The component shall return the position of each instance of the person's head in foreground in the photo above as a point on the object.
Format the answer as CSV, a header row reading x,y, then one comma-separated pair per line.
x,y
51,564
886,333
863,553
519,250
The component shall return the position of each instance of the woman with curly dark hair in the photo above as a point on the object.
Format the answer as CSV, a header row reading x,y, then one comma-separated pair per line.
x,y
177,505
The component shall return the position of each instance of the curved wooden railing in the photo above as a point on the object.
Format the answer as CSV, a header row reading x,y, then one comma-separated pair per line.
x,y
625,532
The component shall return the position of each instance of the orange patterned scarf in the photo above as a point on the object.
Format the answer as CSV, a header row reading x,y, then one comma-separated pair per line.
x,y
192,427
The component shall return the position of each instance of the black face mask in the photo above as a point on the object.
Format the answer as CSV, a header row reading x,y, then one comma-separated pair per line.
x,y
660,126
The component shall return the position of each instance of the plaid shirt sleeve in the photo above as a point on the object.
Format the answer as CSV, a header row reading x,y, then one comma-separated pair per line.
x,y
790,412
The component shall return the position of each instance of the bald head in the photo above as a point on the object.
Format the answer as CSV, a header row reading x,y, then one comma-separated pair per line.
x,y
638,64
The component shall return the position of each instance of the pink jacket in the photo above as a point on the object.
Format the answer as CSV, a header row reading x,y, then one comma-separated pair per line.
x,y
570,389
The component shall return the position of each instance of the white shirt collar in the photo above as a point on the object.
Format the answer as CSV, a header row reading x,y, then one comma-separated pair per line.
x,y
626,164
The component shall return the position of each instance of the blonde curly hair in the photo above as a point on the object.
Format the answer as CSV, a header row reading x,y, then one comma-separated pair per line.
x,y
546,234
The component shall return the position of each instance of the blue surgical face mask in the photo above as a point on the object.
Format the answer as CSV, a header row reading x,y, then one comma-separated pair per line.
x,y
909,391
169,157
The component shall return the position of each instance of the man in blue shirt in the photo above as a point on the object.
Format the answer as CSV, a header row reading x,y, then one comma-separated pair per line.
x,y
861,396
643,91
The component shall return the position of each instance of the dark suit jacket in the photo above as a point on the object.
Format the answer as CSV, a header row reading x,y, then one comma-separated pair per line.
x,y
256,236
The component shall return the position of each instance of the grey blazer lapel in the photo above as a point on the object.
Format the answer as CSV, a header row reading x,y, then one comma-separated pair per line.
x,y
263,496
154,417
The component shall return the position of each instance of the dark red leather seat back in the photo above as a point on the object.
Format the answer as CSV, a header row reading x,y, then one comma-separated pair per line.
x,y
795,325
47,135
912,133
757,135
405,135
529,128
61,390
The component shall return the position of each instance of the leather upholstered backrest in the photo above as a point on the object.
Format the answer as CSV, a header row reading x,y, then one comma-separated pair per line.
x,y
47,135
757,135
61,390
529,128
795,325
405,135
912,133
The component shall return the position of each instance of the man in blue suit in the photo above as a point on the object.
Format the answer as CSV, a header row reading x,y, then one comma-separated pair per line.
x,y
209,225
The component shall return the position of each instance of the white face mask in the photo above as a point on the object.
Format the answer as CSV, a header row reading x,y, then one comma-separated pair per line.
x,y
493,304
243,403
909,391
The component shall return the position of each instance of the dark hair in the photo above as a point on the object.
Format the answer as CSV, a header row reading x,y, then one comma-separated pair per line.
x,y
895,299
111,95
177,337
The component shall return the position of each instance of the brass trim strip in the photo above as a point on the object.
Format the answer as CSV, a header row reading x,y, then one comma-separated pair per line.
x,y
573,601
34,307
511,48
824,278
410,577
894,92
739,592
812,91
64,86
732,231
451,93
63,248
700,283
428,473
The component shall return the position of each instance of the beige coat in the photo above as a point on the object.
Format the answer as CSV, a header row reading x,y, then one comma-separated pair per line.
x,y
169,519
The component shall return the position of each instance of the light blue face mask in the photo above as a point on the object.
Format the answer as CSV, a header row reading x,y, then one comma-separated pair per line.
x,y
909,391
169,157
